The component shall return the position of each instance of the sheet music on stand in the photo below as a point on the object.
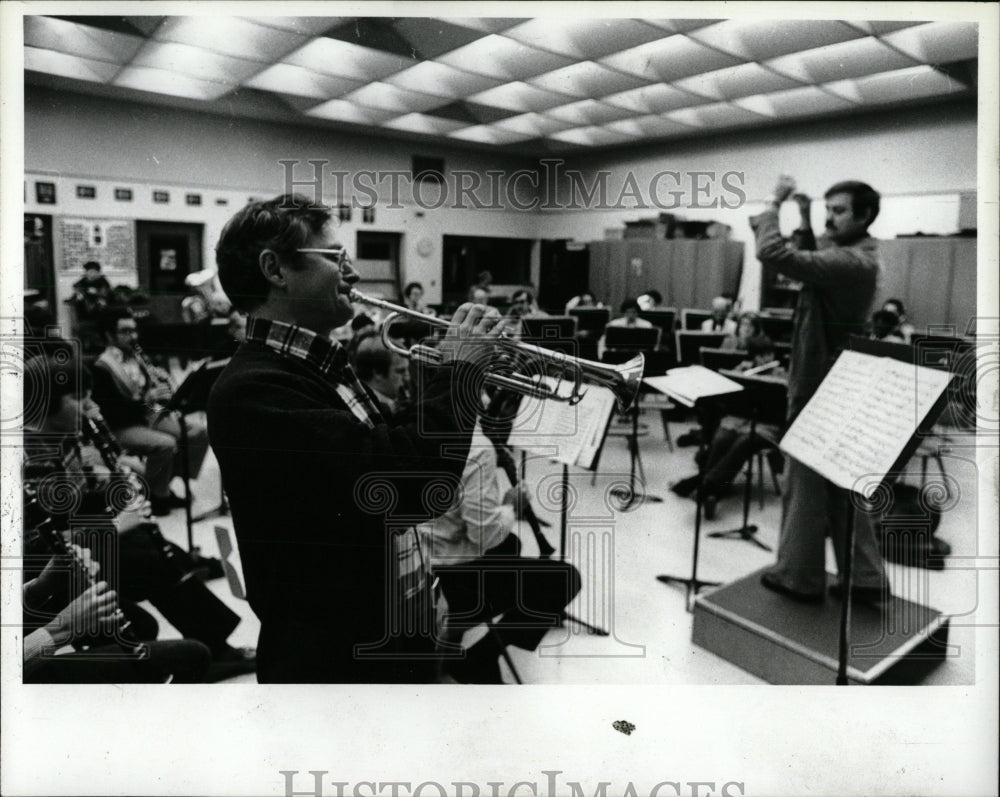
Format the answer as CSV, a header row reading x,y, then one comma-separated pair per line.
x,y
862,418
570,434
688,385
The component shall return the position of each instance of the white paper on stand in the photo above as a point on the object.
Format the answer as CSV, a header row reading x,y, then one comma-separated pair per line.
x,y
694,382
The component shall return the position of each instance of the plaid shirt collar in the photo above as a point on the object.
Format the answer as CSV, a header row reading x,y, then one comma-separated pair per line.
x,y
322,354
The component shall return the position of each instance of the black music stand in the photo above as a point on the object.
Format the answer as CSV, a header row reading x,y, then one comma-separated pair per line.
x,y
623,343
689,345
192,396
691,399
767,399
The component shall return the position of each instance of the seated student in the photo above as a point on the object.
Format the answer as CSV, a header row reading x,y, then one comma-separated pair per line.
x,y
747,327
59,620
583,301
139,564
132,395
413,299
650,300
885,326
384,373
732,444
476,555
904,328
629,318
523,305
720,320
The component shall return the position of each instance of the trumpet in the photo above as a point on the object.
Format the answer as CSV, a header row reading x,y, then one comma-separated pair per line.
x,y
623,380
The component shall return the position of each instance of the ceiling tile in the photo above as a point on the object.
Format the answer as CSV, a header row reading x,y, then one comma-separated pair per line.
x,y
938,42
904,84
587,112
801,101
344,111
488,134
307,26
421,123
586,39
441,79
591,136
586,79
392,98
720,114
72,66
670,59
49,33
230,36
518,96
657,98
649,126
335,57
741,80
471,113
430,38
132,26
165,81
503,58
534,124
485,24
757,39
679,25
845,60
295,80
195,61
878,27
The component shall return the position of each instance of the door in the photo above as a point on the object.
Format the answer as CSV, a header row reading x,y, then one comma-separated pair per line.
x,y
167,253
564,273
376,259
39,271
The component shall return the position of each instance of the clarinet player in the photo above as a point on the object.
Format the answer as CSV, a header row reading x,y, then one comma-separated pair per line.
x,y
132,394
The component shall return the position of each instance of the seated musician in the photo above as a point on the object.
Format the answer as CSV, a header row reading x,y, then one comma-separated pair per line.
x,y
385,373
720,320
476,555
135,560
747,327
132,394
68,619
732,444
629,318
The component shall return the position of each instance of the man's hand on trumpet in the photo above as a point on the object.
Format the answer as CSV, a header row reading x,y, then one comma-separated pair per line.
x,y
472,334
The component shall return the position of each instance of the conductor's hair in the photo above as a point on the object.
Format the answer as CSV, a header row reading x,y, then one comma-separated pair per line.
x,y
864,198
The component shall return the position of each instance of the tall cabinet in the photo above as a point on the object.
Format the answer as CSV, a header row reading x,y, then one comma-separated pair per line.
x,y
689,273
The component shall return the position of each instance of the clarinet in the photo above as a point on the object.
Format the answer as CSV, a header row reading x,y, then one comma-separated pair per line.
x,y
157,378
53,537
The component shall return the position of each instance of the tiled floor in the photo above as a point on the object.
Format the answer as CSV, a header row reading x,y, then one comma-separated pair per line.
x,y
620,553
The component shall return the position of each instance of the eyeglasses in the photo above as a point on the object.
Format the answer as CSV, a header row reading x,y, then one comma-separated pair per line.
x,y
340,256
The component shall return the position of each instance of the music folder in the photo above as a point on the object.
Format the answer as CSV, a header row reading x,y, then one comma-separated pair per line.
x,y
689,385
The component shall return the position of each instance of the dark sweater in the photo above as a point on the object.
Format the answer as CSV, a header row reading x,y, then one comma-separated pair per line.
x,y
314,493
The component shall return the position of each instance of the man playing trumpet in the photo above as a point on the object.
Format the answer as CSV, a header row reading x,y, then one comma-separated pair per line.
x,y
324,489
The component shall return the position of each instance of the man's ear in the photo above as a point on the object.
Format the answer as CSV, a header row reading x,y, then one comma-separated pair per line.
x,y
271,268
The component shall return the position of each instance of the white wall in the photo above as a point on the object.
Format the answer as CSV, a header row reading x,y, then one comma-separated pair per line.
x,y
920,160
73,138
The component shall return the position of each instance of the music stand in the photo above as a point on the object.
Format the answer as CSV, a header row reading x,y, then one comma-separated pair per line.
x,y
777,328
557,333
692,319
192,396
721,359
590,325
689,386
622,344
767,400
689,345
665,318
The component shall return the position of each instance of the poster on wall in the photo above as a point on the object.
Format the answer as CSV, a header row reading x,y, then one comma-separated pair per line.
x,y
111,242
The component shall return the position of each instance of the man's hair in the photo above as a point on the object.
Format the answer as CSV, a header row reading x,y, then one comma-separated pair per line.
x,y
898,303
629,304
111,316
372,357
47,378
91,264
409,288
655,295
863,197
282,224
760,344
884,322
522,294
361,321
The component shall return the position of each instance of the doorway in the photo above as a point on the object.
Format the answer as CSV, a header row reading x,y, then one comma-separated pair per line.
x,y
167,252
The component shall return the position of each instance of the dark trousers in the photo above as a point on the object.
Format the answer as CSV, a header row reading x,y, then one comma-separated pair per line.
x,y
726,457
528,593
